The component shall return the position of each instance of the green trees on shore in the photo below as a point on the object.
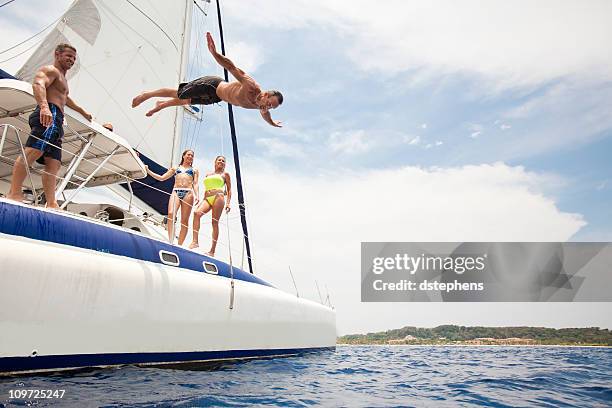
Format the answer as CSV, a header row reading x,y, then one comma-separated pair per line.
x,y
449,334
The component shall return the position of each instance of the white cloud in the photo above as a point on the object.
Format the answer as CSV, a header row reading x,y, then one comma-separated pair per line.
x,y
279,148
424,126
512,45
476,130
249,56
349,142
416,141
567,114
413,140
601,186
315,223
505,127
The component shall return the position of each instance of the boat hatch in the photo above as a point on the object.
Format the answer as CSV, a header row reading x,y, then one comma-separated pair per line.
x,y
169,258
210,267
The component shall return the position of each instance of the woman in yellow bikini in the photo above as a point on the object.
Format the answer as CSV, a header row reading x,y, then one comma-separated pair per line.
x,y
184,193
217,185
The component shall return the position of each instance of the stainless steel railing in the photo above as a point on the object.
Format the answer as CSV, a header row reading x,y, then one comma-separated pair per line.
x,y
5,129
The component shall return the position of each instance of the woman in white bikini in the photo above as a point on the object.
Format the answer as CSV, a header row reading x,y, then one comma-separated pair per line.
x,y
217,186
184,194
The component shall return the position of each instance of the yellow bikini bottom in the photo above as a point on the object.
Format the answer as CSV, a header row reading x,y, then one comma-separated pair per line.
x,y
211,199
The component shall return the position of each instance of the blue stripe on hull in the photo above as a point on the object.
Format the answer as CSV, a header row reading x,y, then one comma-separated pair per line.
x,y
32,223
61,362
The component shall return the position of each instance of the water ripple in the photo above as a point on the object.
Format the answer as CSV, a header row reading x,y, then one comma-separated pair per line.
x,y
352,376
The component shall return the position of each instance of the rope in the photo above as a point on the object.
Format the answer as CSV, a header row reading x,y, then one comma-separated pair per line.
x,y
193,131
229,245
8,2
28,39
154,23
24,51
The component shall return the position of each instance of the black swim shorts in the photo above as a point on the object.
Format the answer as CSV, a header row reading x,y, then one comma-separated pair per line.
x,y
201,91
47,139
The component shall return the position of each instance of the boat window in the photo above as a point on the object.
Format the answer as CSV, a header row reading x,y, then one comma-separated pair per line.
x,y
169,258
210,267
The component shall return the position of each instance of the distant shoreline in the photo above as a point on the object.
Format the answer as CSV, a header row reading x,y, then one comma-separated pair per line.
x,y
474,345
466,336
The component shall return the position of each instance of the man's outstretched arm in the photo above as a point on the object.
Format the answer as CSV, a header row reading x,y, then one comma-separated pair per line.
x,y
227,63
265,114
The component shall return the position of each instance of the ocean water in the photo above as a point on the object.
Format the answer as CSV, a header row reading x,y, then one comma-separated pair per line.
x,y
352,376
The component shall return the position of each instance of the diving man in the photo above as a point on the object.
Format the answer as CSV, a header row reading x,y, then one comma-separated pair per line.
x,y
244,92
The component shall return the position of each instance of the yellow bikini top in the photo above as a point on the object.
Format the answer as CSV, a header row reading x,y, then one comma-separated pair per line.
x,y
214,182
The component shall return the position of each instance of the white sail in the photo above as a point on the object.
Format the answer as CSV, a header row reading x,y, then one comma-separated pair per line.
x,y
123,48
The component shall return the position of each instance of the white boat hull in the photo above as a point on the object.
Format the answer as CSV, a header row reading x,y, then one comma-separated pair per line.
x,y
78,307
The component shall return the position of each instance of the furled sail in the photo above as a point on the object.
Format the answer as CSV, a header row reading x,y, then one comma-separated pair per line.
x,y
123,48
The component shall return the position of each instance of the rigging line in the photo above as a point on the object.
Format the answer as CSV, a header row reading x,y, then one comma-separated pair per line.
x,y
201,9
8,2
28,39
143,139
186,131
196,131
156,25
158,15
190,135
185,142
24,51
186,135
189,69
113,99
219,113
111,16
197,52
186,123
114,56
127,69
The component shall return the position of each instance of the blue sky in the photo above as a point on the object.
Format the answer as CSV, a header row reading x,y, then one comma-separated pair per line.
x,y
412,121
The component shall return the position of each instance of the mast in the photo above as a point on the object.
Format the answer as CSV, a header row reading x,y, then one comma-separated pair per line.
x,y
236,156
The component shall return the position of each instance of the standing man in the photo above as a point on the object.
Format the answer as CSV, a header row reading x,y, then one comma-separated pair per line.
x,y
244,92
46,123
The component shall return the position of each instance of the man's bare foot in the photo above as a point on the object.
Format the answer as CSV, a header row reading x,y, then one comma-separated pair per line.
x,y
16,197
157,108
138,100
210,253
193,245
53,206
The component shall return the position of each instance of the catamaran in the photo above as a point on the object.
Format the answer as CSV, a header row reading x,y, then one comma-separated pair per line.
x,y
98,284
